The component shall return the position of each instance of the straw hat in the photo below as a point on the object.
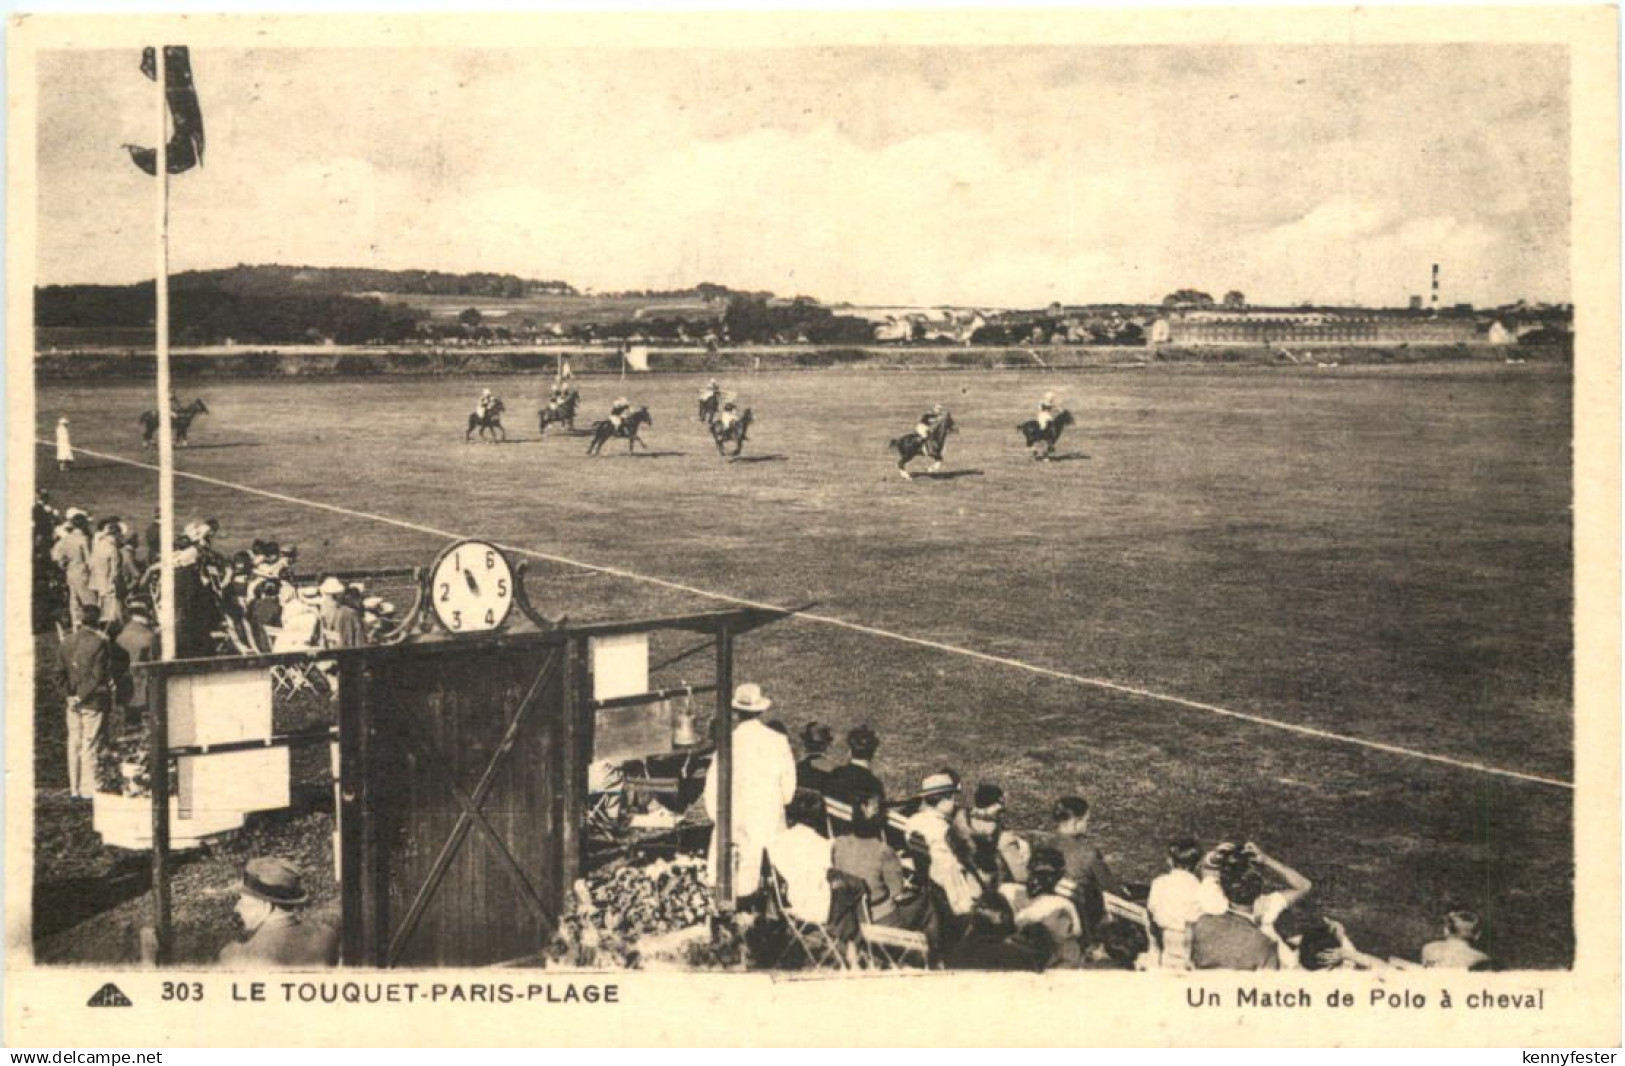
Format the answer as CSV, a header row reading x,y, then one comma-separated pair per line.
x,y
750,699
331,586
940,784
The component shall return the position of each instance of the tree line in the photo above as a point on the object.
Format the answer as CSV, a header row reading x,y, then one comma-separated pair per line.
x,y
214,316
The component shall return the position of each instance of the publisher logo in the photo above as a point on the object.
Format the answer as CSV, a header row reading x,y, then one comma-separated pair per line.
x,y
109,996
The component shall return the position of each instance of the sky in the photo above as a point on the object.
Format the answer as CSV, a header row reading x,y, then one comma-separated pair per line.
x,y
876,175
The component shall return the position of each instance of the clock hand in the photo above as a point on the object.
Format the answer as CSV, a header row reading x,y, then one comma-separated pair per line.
x,y
473,586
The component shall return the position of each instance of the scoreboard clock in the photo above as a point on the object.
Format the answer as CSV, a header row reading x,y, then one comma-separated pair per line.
x,y
472,588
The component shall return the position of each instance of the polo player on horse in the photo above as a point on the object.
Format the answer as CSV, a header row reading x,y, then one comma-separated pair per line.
x,y
1043,432
624,421
731,425
930,433
180,420
923,428
487,416
1047,410
561,406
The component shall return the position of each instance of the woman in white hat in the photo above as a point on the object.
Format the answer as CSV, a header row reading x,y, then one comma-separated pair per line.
x,y
64,445
764,781
299,620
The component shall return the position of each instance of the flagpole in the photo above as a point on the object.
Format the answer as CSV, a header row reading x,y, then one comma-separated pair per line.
x,y
166,438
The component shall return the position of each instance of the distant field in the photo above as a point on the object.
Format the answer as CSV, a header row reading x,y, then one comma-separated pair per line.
x,y
1383,553
48,337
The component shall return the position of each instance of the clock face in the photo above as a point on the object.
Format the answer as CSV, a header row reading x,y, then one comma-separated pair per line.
x,y
472,588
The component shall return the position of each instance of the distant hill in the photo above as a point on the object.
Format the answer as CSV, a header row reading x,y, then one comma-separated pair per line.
x,y
705,290
272,280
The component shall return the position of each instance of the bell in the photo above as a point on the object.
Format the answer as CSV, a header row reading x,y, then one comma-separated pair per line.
x,y
683,733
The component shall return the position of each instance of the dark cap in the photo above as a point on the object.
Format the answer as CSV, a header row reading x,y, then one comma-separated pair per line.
x,y
862,742
275,881
817,736
988,796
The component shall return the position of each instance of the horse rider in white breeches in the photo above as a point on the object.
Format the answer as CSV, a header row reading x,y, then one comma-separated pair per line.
x,y
927,421
1047,410
617,411
728,416
486,401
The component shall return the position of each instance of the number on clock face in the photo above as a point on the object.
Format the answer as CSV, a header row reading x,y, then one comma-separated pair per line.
x,y
472,588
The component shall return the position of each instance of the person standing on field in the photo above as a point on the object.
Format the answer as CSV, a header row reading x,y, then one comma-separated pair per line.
x,y
71,553
136,643
64,445
84,667
764,782
104,571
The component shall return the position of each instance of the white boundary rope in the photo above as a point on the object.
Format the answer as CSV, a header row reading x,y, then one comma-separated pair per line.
x,y
857,627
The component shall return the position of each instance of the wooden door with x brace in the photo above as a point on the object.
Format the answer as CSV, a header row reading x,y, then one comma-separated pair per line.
x,y
458,801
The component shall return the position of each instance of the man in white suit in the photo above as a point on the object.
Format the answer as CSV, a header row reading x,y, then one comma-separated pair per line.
x,y
764,781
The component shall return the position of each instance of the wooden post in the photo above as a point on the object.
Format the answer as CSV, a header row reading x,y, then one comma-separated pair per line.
x,y
723,766
575,737
158,747
352,860
166,435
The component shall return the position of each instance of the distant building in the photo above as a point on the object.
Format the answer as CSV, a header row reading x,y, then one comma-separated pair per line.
x,y
1305,327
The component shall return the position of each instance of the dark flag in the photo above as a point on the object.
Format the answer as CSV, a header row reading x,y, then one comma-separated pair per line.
x,y
185,116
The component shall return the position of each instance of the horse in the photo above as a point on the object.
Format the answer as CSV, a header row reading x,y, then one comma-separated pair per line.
x,y
180,420
562,413
1042,440
910,445
736,432
489,421
709,401
604,429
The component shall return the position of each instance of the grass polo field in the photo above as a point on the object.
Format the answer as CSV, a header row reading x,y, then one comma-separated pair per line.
x,y
1378,555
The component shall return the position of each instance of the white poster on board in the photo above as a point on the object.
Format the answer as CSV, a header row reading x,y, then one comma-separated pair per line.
x,y
240,781
620,665
219,708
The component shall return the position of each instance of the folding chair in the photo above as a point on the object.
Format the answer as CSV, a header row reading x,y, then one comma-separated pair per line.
x,y
1128,911
818,946
606,802
294,677
888,948
835,813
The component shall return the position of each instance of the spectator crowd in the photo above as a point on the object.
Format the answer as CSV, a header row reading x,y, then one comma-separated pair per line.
x,y
819,839
814,836
97,581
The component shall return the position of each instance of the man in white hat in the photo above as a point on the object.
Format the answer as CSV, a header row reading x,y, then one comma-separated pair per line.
x,y
933,825
764,782
341,623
